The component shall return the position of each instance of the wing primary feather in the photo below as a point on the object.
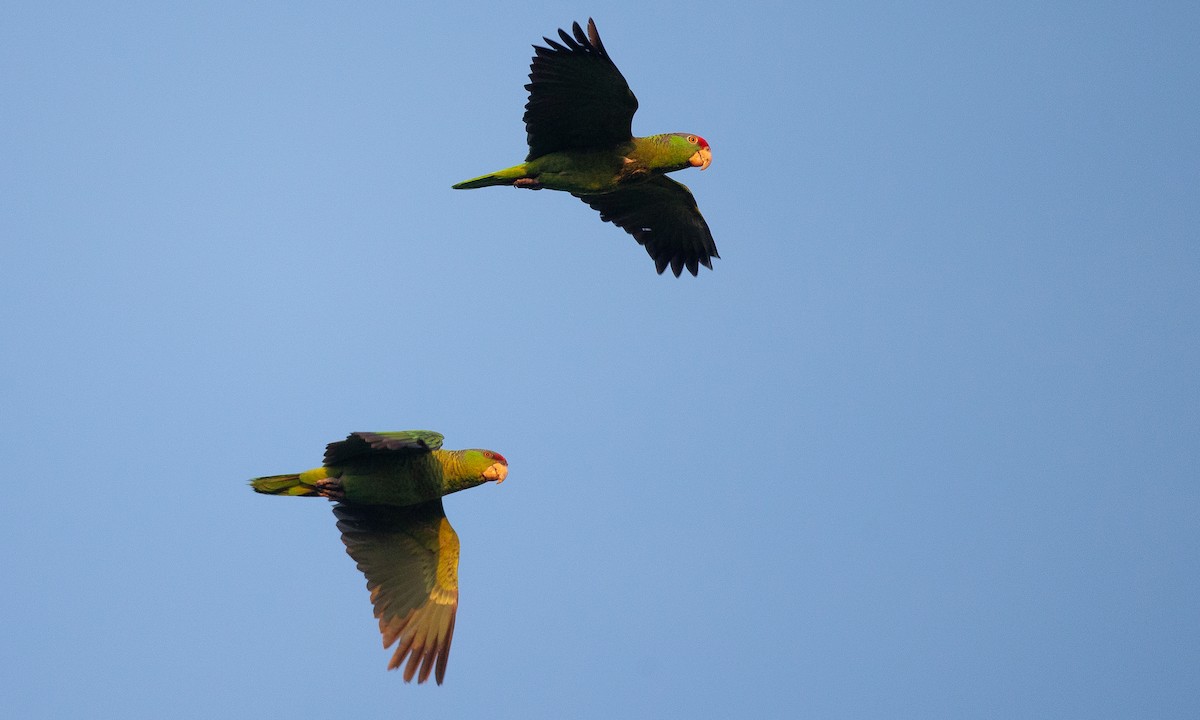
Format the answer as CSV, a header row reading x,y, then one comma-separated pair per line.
x,y
594,37
444,654
580,37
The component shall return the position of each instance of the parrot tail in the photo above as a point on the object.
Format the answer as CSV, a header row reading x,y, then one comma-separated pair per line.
x,y
507,176
302,484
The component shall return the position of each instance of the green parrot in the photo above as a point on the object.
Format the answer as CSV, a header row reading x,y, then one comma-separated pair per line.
x,y
389,488
579,125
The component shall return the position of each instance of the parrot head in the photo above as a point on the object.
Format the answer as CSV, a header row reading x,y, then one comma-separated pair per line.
x,y
495,466
702,157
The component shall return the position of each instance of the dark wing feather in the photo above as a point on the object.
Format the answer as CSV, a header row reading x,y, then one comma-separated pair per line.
x,y
361,444
578,99
662,216
410,558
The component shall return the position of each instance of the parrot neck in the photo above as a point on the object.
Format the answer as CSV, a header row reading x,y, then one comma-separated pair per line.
x,y
457,472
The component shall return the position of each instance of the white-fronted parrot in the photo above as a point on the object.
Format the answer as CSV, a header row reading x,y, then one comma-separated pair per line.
x,y
579,126
389,488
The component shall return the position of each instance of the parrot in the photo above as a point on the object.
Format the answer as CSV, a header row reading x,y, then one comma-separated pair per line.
x,y
578,123
388,487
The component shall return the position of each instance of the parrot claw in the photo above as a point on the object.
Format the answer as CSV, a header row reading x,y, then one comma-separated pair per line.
x,y
527,183
331,489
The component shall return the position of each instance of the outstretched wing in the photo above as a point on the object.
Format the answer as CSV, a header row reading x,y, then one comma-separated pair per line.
x,y
578,99
662,216
410,558
361,444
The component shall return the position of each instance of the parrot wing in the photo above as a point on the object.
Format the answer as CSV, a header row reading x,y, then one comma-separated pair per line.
x,y
578,99
410,558
360,444
662,216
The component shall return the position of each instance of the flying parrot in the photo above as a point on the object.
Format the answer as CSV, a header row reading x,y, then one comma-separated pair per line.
x,y
389,488
579,126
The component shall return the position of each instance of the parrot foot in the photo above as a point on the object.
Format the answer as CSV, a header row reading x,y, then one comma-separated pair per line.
x,y
528,183
331,489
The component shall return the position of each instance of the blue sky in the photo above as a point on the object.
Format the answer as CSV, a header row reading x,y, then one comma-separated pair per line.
x,y
924,443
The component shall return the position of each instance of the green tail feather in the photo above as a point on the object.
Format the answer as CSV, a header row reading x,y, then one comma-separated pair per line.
x,y
500,177
283,485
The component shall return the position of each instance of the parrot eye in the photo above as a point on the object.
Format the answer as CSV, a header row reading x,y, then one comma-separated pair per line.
x,y
691,139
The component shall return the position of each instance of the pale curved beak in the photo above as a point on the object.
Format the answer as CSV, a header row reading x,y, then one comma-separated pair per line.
x,y
702,158
497,472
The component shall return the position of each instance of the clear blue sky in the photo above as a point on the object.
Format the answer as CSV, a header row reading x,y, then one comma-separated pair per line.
x,y
926,443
